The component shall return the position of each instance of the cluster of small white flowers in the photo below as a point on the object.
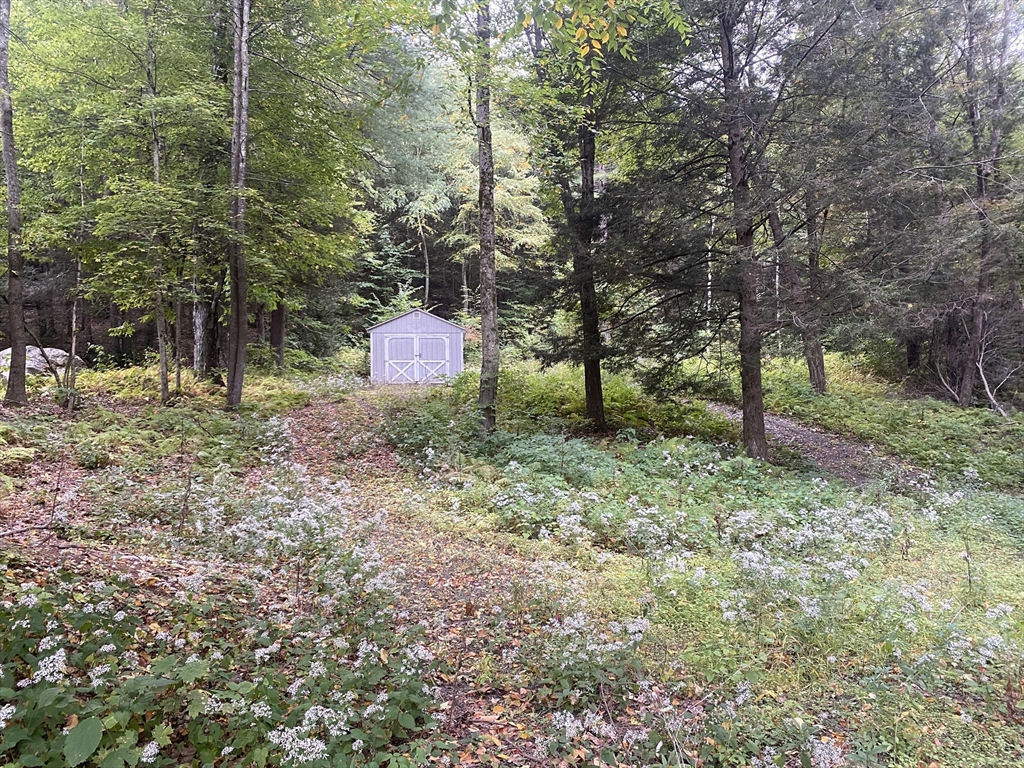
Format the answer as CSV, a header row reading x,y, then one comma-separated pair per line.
x,y
297,686
998,611
367,650
6,713
765,760
96,674
297,747
571,726
261,710
149,752
51,669
262,654
825,754
334,721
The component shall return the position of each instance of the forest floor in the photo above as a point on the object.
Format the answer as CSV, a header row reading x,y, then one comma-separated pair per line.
x,y
482,594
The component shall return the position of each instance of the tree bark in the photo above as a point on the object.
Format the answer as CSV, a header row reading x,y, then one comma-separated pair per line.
x,y
811,327
16,393
986,166
159,307
583,269
426,264
754,440
238,326
488,268
277,332
200,353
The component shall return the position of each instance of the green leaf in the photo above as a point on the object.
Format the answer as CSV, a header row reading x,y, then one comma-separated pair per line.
x,y
83,740
193,671
48,696
407,721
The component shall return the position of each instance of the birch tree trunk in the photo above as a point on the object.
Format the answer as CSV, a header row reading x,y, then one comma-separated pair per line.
x,y
238,325
488,269
16,394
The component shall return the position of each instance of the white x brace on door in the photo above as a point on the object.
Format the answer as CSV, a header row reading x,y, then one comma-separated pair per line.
x,y
415,359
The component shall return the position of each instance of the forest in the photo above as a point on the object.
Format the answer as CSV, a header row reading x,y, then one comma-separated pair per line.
x,y
724,462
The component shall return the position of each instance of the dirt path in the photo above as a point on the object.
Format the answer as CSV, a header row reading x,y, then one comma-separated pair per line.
x,y
844,457
449,584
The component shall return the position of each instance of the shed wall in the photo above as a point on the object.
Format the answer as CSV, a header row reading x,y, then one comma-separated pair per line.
x,y
415,324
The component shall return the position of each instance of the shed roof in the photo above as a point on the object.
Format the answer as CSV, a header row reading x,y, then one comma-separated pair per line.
x,y
409,312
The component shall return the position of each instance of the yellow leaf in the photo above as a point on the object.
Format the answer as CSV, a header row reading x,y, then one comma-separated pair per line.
x,y
584,49
621,30
559,22
581,33
611,3
596,44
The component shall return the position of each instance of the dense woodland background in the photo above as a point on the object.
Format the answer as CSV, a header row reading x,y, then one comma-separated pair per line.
x,y
671,180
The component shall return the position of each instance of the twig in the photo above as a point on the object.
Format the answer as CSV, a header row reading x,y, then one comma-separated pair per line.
x,y
25,529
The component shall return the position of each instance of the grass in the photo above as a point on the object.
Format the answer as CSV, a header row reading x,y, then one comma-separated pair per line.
x,y
953,442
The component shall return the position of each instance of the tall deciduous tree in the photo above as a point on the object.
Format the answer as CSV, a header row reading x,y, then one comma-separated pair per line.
x,y
488,268
238,324
15,259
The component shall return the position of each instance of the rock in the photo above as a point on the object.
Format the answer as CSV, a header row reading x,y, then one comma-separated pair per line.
x,y
35,362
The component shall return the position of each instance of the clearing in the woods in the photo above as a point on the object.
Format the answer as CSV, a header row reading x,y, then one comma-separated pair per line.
x,y
340,576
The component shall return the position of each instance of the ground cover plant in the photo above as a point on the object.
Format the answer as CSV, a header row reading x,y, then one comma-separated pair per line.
x,y
277,645
785,616
359,581
953,442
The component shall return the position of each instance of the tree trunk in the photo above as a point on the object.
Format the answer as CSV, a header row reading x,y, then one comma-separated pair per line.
x,y
277,332
16,393
986,166
426,263
583,267
811,329
913,354
488,268
238,327
177,347
70,373
200,339
465,287
161,345
754,439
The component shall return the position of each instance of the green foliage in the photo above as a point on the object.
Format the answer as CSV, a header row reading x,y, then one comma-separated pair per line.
x,y
956,443
109,674
791,619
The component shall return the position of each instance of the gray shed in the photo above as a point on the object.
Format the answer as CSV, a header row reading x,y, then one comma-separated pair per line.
x,y
415,347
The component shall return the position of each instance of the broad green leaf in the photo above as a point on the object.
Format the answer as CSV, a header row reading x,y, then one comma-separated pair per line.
x,y
83,740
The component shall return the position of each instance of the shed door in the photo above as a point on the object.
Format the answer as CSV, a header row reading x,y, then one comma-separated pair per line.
x,y
415,359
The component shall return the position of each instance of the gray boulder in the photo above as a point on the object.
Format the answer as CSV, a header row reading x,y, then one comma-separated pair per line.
x,y
35,361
